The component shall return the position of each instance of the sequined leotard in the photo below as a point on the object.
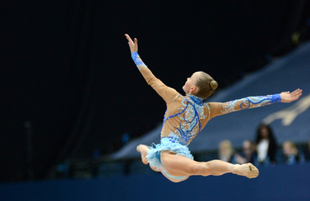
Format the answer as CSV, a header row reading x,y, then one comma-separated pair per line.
x,y
186,116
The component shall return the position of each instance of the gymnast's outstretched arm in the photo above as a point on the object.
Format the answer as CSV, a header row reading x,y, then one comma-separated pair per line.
x,y
167,93
252,102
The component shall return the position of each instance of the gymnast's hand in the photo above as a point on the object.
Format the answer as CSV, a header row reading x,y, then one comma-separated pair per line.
x,y
287,97
132,45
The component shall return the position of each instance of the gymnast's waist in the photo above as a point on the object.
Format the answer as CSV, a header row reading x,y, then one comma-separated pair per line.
x,y
170,139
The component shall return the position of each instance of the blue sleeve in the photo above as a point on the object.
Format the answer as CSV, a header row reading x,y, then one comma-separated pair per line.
x,y
138,61
275,98
249,102
242,104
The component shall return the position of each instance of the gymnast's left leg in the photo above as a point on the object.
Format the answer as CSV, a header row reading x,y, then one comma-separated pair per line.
x,y
143,151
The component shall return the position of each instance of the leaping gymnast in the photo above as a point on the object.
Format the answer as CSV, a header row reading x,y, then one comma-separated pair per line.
x,y
186,116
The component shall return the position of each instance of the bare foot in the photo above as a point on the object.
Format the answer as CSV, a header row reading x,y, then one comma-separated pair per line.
x,y
143,150
248,170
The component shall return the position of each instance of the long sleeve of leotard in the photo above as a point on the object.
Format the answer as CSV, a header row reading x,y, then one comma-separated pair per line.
x,y
217,109
167,93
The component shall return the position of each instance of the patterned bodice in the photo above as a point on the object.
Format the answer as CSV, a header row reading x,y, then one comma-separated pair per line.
x,y
189,117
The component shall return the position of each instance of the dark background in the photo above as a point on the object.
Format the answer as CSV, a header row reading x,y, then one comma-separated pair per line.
x,y
69,86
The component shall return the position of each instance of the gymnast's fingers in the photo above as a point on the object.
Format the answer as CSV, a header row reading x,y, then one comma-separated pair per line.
x,y
136,43
297,92
128,38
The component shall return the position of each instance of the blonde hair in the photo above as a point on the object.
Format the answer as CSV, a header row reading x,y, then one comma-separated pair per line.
x,y
226,144
292,146
206,85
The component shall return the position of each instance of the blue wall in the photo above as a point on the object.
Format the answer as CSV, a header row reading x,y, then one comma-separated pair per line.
x,y
276,183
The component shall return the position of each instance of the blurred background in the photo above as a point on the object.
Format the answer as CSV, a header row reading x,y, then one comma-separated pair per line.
x,y
74,105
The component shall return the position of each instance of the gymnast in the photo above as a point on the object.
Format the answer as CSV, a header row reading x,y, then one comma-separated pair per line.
x,y
186,116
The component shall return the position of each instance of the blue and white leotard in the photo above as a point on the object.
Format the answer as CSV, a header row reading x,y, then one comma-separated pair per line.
x,y
186,116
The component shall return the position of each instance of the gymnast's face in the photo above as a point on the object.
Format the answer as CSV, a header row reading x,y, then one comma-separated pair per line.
x,y
189,86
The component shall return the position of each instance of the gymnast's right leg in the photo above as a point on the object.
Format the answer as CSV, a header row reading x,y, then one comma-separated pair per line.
x,y
177,165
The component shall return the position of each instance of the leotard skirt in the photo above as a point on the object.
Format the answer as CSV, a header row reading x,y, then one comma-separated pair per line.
x,y
153,155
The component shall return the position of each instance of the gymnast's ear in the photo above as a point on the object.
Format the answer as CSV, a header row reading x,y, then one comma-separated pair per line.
x,y
193,89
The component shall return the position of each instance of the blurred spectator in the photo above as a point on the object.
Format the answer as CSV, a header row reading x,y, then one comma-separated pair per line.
x,y
290,152
248,155
226,151
307,152
266,145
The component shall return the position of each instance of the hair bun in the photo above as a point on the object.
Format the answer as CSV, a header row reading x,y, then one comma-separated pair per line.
x,y
213,85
